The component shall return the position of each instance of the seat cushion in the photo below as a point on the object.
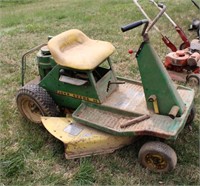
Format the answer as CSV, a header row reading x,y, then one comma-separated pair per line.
x,y
75,50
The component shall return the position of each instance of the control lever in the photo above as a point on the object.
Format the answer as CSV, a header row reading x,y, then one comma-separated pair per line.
x,y
114,82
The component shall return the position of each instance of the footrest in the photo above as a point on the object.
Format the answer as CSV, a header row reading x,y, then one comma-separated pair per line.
x,y
107,119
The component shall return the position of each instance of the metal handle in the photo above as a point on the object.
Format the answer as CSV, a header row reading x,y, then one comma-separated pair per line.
x,y
133,25
158,5
23,68
157,17
195,4
155,20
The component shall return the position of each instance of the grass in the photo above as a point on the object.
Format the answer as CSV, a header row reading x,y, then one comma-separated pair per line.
x,y
29,154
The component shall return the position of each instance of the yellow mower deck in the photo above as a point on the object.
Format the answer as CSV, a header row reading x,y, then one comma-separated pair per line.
x,y
80,140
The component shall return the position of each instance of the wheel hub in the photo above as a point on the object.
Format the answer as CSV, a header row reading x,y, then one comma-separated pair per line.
x,y
31,110
156,161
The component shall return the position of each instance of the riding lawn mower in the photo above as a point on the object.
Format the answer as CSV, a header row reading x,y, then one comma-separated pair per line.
x,y
80,100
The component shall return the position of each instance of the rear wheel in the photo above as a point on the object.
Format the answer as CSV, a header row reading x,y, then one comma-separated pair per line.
x,y
191,115
33,102
182,46
193,81
157,156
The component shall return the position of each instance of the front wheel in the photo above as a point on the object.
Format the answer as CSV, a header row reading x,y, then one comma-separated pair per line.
x,y
33,102
157,157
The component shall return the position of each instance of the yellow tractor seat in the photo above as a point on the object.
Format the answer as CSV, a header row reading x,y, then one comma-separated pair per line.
x,y
75,50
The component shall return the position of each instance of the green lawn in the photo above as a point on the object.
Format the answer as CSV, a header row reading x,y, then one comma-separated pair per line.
x,y
29,154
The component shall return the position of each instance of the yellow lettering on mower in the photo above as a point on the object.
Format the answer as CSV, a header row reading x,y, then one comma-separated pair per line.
x,y
77,96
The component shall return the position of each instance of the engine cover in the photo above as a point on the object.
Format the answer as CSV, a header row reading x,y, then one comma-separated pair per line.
x,y
178,58
182,59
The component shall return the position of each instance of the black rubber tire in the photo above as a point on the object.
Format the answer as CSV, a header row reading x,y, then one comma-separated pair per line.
x,y
33,102
157,157
182,46
191,116
192,81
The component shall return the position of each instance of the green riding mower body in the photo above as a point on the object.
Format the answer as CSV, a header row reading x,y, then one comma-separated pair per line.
x,y
81,101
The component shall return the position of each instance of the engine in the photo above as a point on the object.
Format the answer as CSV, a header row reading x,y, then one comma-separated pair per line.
x,y
187,59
